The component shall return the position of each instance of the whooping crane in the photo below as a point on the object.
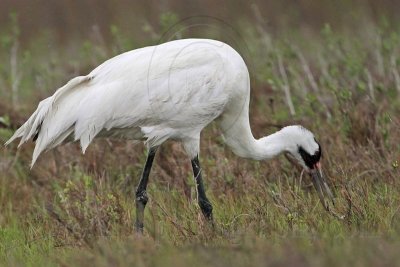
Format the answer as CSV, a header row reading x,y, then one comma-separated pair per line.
x,y
169,91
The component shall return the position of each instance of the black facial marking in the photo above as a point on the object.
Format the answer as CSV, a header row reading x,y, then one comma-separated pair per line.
x,y
310,160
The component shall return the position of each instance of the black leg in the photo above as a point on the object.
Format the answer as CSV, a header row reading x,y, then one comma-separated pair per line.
x,y
141,195
204,203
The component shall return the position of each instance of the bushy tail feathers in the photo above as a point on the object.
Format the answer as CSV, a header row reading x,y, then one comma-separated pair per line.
x,y
40,125
31,127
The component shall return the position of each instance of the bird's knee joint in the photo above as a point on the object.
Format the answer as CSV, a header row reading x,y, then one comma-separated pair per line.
x,y
142,198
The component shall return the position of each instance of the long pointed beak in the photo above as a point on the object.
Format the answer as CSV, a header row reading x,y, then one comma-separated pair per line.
x,y
321,186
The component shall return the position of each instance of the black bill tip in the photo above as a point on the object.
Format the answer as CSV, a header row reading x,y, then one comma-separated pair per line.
x,y
321,186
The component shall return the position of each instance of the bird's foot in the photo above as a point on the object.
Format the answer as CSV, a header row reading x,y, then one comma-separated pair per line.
x,y
141,201
206,209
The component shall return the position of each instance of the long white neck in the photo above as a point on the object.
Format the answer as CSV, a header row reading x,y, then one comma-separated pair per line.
x,y
238,136
267,147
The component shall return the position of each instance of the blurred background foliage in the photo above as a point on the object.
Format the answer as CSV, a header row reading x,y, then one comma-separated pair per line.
x,y
67,21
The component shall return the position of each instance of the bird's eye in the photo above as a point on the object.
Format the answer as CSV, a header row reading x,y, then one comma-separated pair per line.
x,y
309,160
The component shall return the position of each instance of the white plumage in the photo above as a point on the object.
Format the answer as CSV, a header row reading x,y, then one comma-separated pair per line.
x,y
168,91
158,93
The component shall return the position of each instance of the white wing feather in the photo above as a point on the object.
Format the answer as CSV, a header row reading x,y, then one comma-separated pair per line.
x,y
168,91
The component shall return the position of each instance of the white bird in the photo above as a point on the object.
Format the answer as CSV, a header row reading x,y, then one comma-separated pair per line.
x,y
169,91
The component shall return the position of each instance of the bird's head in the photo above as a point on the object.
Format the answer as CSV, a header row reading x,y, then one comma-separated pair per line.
x,y
304,151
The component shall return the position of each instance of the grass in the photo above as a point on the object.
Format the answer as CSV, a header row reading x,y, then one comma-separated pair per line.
x,y
75,210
